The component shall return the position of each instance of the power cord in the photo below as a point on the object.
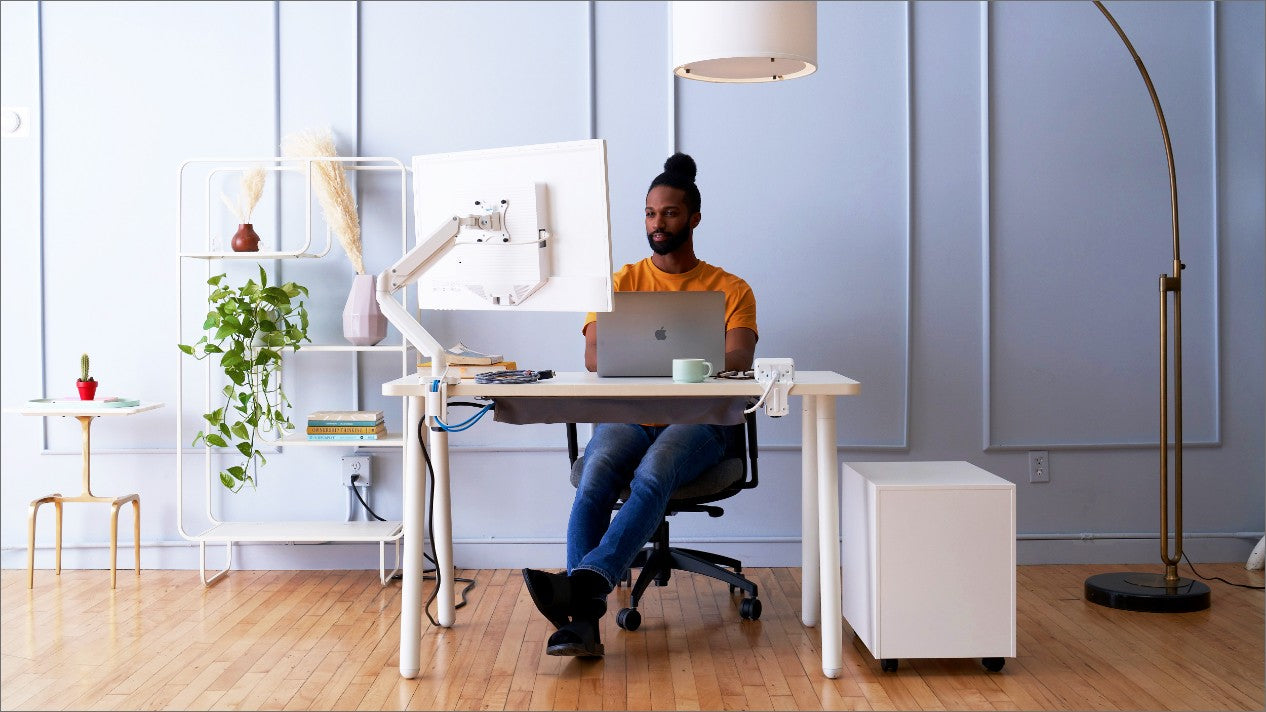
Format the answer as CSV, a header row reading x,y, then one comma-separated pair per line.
x,y
761,401
430,533
1219,578
516,376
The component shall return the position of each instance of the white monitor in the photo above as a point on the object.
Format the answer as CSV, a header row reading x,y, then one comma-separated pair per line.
x,y
535,234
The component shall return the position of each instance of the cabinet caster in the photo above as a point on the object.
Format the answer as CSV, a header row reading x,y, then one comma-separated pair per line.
x,y
749,609
628,619
993,664
888,664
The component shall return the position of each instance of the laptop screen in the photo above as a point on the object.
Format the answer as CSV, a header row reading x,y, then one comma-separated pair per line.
x,y
645,331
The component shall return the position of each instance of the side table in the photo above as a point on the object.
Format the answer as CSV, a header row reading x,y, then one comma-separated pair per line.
x,y
85,412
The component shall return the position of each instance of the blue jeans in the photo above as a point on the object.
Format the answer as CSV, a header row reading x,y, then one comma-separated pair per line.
x,y
651,461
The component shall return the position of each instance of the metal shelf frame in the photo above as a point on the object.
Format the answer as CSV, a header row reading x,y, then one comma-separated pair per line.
x,y
229,532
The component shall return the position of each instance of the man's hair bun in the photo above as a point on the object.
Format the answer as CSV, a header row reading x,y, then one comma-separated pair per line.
x,y
679,172
682,165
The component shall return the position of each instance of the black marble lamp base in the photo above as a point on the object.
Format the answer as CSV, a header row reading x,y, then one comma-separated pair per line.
x,y
1131,591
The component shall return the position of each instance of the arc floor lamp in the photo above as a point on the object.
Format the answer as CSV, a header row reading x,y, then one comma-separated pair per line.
x,y
738,42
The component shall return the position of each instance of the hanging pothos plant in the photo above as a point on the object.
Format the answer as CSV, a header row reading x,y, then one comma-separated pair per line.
x,y
250,326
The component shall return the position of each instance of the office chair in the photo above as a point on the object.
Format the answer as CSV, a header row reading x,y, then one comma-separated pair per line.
x,y
659,559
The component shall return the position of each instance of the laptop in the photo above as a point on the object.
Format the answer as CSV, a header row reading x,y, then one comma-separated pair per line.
x,y
645,331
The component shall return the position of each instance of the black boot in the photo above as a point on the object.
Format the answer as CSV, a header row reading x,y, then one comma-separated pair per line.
x,y
580,638
551,593
587,591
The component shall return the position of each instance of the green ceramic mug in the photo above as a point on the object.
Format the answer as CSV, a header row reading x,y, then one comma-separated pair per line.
x,y
691,370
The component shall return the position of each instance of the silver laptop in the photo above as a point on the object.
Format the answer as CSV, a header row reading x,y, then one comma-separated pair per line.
x,y
645,331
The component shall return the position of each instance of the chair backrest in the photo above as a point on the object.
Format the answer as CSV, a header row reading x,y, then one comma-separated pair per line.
x,y
736,472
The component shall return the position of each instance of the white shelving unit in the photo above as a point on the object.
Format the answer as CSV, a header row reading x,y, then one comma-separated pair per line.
x,y
230,532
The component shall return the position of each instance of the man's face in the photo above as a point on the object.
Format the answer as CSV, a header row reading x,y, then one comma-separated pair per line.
x,y
669,224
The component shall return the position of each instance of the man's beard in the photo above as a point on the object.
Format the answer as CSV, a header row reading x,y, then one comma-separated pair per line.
x,y
674,241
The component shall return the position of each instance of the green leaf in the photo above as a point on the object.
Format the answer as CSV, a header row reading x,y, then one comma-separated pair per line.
x,y
216,440
239,429
244,448
224,429
263,276
186,349
213,320
197,438
216,279
213,349
236,377
227,480
237,471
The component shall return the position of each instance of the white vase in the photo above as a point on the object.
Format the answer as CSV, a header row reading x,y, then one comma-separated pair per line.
x,y
363,322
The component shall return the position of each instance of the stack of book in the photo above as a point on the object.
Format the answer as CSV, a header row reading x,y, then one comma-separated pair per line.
x,y
465,362
346,425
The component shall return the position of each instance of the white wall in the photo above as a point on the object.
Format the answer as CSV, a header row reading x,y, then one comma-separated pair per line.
x,y
965,209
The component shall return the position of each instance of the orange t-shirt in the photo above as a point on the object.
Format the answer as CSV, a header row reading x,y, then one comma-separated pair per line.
x,y
644,276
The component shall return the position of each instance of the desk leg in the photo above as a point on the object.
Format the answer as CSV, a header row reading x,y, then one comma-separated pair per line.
x,y
414,541
832,628
442,529
809,586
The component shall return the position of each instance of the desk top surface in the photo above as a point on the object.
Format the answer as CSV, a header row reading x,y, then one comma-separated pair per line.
x,y
72,408
583,383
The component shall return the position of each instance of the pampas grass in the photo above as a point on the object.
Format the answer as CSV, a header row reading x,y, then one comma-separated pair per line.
x,y
249,191
332,189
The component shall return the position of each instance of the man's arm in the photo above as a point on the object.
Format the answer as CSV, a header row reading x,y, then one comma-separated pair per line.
x,y
591,346
740,348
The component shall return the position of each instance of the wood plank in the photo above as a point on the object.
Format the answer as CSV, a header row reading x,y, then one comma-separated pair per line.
x,y
328,640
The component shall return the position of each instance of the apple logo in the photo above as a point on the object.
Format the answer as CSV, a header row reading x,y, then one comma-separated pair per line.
x,y
661,334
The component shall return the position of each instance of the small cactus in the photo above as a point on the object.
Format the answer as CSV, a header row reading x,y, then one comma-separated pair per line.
x,y
83,369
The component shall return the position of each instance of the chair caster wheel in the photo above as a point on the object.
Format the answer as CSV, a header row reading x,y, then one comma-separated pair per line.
x,y
628,619
888,664
993,664
749,609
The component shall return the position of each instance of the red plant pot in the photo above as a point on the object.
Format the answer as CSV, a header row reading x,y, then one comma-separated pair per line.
x,y
87,389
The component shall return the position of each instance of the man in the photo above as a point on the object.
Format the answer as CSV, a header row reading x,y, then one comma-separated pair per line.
x,y
650,460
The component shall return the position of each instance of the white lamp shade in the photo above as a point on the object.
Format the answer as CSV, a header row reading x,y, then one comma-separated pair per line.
x,y
744,41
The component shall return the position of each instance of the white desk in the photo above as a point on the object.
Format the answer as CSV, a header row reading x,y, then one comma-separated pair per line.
x,y
820,503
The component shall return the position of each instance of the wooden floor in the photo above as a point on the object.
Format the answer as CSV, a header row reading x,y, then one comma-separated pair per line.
x,y
328,640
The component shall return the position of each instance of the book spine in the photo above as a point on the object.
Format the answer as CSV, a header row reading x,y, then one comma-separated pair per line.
x,y
327,430
318,423
344,436
343,417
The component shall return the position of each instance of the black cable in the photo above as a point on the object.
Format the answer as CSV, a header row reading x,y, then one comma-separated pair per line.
x,y
1219,578
516,376
425,555
430,533
356,490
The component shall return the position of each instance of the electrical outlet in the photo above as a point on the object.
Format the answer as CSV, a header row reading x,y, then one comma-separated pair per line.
x,y
1039,466
356,464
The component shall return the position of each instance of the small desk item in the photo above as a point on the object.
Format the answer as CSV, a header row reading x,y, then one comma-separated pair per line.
x,y
84,412
821,598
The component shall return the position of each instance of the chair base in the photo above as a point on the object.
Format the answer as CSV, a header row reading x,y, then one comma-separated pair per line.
x,y
659,560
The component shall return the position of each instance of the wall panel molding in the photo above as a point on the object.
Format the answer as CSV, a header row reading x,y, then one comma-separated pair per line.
x,y
987,291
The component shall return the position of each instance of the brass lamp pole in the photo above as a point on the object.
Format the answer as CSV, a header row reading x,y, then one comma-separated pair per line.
x,y
771,41
1168,592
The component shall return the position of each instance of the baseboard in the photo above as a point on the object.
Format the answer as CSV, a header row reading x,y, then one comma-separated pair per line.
x,y
502,554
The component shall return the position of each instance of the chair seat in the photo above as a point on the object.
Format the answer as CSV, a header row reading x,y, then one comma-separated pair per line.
x,y
720,478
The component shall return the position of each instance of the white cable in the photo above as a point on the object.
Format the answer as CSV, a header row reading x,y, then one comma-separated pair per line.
x,y
768,387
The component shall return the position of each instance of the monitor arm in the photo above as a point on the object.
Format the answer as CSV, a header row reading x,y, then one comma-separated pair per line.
x,y
406,271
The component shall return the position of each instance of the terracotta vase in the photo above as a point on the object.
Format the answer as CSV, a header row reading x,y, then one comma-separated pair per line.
x,y
87,389
245,239
364,324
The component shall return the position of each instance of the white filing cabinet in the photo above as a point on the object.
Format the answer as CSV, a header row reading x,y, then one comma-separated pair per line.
x,y
929,561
